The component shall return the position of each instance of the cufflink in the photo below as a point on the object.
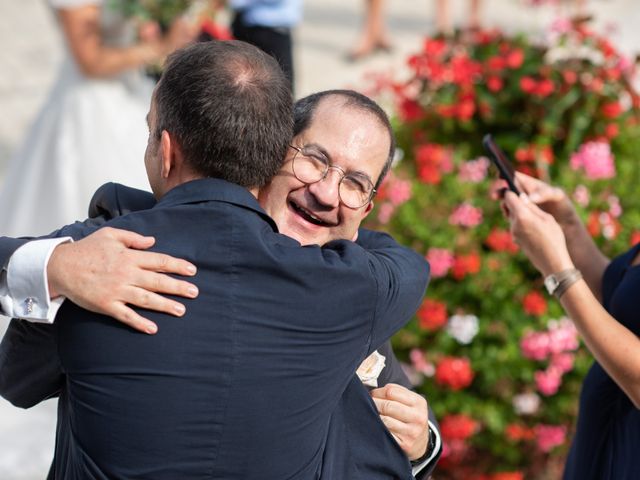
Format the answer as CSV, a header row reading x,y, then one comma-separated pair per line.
x,y
28,305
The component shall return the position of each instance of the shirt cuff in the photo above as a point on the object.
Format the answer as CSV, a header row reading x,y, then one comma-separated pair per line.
x,y
415,470
24,290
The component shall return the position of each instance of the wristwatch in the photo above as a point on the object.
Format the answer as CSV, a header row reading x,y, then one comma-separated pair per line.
x,y
431,444
558,283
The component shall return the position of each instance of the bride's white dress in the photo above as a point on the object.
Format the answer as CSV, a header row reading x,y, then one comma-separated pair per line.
x,y
90,131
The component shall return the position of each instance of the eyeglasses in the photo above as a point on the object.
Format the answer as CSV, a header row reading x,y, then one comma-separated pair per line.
x,y
310,165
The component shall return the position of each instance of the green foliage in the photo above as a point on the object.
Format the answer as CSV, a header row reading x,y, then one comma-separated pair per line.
x,y
556,110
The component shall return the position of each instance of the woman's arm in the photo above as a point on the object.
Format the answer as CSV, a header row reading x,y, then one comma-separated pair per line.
x,y
613,345
81,28
583,251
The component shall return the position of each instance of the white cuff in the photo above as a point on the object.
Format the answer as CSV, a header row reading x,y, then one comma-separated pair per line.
x,y
436,448
24,290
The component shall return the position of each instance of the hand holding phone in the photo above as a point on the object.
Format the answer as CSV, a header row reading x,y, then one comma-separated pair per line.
x,y
500,160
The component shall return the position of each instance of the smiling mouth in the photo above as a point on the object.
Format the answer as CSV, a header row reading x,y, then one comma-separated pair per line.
x,y
308,216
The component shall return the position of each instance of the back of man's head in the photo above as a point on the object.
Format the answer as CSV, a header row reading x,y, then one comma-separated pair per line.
x,y
229,106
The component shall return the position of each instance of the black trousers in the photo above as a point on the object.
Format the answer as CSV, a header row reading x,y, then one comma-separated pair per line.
x,y
277,42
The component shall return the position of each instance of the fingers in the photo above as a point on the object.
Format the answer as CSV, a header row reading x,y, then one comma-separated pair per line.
x,y
128,239
159,262
400,411
142,298
398,393
129,317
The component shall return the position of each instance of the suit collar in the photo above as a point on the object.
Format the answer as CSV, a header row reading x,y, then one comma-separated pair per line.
x,y
213,190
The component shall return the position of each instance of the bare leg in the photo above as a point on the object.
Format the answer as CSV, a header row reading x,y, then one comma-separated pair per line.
x,y
374,35
474,14
443,19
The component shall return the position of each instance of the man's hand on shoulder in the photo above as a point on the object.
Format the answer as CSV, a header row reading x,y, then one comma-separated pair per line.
x,y
109,269
406,415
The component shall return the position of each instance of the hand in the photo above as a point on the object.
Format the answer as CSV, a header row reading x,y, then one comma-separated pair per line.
x,y
538,233
551,199
181,32
106,271
406,415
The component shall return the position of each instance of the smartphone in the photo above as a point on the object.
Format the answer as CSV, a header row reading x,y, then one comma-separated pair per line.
x,y
499,158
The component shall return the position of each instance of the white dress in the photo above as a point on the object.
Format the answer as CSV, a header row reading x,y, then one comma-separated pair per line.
x,y
90,131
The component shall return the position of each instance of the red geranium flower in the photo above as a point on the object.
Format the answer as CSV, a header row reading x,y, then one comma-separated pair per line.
x,y
432,314
501,241
458,427
516,432
454,372
527,84
464,265
534,303
611,109
495,84
515,58
635,238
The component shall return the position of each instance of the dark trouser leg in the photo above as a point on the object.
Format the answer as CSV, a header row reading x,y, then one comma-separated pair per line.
x,y
274,41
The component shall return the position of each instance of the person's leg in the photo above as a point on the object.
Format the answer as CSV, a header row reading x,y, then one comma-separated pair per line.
x,y
474,14
374,35
443,20
277,42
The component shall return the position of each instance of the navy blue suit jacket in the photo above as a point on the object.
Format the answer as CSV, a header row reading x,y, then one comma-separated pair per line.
x,y
253,371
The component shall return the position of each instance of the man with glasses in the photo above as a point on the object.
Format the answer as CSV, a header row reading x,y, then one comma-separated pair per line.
x,y
341,150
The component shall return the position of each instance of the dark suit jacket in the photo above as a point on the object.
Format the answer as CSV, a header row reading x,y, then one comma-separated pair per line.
x,y
355,430
207,400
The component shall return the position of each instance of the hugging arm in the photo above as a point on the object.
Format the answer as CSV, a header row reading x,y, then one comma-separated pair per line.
x,y
30,370
402,276
105,272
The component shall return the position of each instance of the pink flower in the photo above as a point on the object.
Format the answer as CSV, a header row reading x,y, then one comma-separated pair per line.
x,y
549,436
596,159
398,191
440,260
563,362
548,381
615,210
581,195
420,363
466,215
385,212
535,345
474,171
563,336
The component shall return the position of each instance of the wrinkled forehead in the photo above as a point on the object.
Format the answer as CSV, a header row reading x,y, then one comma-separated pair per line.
x,y
348,133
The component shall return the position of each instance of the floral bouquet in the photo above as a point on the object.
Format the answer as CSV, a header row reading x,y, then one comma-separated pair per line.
x,y
499,363
161,11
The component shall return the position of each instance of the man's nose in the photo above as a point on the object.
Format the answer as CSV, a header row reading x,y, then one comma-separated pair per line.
x,y
327,190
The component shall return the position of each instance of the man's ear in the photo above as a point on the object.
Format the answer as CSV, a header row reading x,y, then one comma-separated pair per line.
x,y
169,149
367,209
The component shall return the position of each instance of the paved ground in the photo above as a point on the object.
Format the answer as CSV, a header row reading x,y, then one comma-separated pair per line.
x,y
32,49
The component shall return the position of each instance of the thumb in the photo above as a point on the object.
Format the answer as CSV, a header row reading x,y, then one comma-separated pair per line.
x,y
515,204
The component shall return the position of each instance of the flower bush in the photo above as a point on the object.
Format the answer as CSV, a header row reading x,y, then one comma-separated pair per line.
x,y
497,359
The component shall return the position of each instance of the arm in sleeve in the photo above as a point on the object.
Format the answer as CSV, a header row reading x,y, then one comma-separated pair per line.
x,y
30,369
24,289
401,276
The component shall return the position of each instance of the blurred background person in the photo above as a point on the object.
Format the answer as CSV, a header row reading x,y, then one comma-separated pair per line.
x,y
374,36
444,24
268,25
600,296
92,127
